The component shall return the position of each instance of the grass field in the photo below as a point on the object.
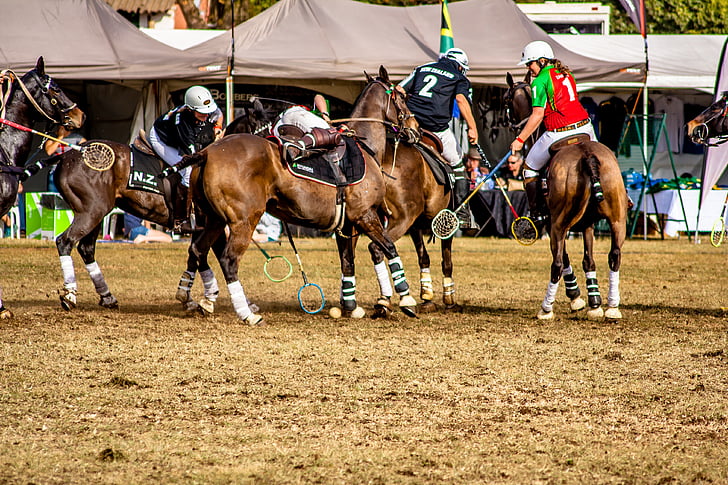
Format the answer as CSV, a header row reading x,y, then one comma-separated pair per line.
x,y
149,394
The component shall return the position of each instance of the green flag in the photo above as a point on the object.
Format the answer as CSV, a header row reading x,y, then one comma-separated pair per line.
x,y
446,40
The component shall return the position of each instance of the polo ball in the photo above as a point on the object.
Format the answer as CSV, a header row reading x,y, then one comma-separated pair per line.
x,y
335,312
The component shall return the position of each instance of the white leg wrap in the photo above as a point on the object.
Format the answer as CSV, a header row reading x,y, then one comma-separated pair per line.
x,y
548,300
210,282
613,296
448,287
240,303
69,274
98,278
385,284
591,274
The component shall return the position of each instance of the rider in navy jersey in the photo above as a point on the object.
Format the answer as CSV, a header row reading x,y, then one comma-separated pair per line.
x,y
432,90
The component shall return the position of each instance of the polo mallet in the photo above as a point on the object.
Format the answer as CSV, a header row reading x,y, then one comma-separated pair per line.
x,y
717,235
275,265
446,223
97,156
310,295
522,228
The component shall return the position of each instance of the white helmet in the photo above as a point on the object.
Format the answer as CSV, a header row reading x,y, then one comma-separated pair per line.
x,y
459,56
535,51
200,99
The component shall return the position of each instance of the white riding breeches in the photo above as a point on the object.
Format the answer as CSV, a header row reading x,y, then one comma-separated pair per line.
x,y
170,155
451,150
538,155
301,118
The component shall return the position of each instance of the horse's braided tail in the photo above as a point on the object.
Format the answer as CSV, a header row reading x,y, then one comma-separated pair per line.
x,y
187,161
37,166
591,162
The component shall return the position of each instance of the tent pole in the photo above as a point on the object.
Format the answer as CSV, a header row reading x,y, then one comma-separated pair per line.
x,y
229,86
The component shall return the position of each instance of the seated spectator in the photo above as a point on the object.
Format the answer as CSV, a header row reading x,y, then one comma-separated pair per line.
x,y
268,229
511,176
139,231
475,172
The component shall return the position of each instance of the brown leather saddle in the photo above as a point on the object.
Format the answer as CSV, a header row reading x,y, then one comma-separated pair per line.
x,y
568,141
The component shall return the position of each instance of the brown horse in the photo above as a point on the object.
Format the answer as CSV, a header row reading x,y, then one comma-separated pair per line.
x,y
711,123
241,176
32,98
413,198
576,203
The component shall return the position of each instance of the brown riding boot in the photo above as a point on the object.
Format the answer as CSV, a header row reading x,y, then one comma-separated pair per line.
x,y
536,204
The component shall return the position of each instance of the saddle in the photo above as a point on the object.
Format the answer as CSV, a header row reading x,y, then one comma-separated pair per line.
x,y
141,143
568,141
432,140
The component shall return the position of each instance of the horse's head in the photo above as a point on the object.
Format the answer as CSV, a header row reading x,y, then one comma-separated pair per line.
x,y
392,105
49,99
518,100
255,119
710,123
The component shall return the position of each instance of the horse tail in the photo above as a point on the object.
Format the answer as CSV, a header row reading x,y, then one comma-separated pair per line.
x,y
591,164
187,161
37,166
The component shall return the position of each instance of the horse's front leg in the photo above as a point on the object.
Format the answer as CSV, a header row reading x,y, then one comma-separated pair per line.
x,y
558,247
427,291
198,262
87,250
241,233
372,227
448,284
573,293
594,299
4,312
347,296
383,306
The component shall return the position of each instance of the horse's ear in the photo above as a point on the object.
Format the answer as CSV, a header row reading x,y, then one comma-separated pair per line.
x,y
383,74
527,79
509,79
369,78
40,66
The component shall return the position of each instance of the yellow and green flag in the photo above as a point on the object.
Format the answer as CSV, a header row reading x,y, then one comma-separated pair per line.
x,y
446,39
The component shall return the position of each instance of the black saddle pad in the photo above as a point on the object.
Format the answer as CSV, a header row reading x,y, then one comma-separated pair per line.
x,y
143,171
441,171
319,170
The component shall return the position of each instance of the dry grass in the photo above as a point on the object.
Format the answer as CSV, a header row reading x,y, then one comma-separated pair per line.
x,y
148,394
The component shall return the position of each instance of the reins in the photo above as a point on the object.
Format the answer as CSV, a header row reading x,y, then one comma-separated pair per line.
x,y
4,96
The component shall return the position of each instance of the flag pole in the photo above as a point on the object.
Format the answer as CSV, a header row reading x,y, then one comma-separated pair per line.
x,y
229,86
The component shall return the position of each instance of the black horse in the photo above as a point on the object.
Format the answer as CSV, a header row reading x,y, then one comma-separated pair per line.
x,y
711,123
32,98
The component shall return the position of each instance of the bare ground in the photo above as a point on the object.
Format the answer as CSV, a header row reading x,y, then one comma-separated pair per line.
x,y
148,394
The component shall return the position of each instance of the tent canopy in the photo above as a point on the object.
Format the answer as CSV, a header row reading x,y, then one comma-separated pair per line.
x,y
85,39
315,42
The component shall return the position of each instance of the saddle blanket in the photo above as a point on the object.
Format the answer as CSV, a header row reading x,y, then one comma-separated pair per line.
x,y
143,171
319,170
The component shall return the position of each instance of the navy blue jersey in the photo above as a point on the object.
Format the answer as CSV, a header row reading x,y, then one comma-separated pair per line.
x,y
181,129
432,89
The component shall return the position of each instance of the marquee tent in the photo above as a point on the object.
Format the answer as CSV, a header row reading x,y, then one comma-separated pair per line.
x,y
327,44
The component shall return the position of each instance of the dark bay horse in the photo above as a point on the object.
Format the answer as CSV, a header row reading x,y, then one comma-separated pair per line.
x,y
413,196
576,204
26,100
239,177
711,123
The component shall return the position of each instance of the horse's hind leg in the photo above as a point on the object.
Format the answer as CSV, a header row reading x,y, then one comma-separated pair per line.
x,y
595,311
347,299
427,291
199,262
80,226
619,231
87,250
558,249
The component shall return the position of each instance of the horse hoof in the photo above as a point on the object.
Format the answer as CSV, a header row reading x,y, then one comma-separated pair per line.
x,y
253,307
613,313
182,296
454,308
595,313
358,312
109,301
381,312
428,306
190,306
385,303
208,307
5,314
543,315
253,320
68,299
577,304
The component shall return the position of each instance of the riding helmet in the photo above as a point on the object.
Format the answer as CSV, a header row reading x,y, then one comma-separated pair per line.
x,y
200,99
536,50
459,56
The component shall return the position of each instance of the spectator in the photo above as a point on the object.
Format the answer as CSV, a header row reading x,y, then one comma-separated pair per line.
x,y
53,147
511,176
139,231
475,172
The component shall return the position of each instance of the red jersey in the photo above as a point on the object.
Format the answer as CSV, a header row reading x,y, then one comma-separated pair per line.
x,y
555,91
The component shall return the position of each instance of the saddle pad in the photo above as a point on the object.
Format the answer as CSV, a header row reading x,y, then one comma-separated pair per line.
x,y
440,171
319,170
143,172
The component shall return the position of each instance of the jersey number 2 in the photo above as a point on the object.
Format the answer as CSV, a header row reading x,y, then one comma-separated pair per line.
x,y
430,82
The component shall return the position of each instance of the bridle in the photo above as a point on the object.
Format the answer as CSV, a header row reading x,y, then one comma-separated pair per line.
x,y
508,98
700,134
48,88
